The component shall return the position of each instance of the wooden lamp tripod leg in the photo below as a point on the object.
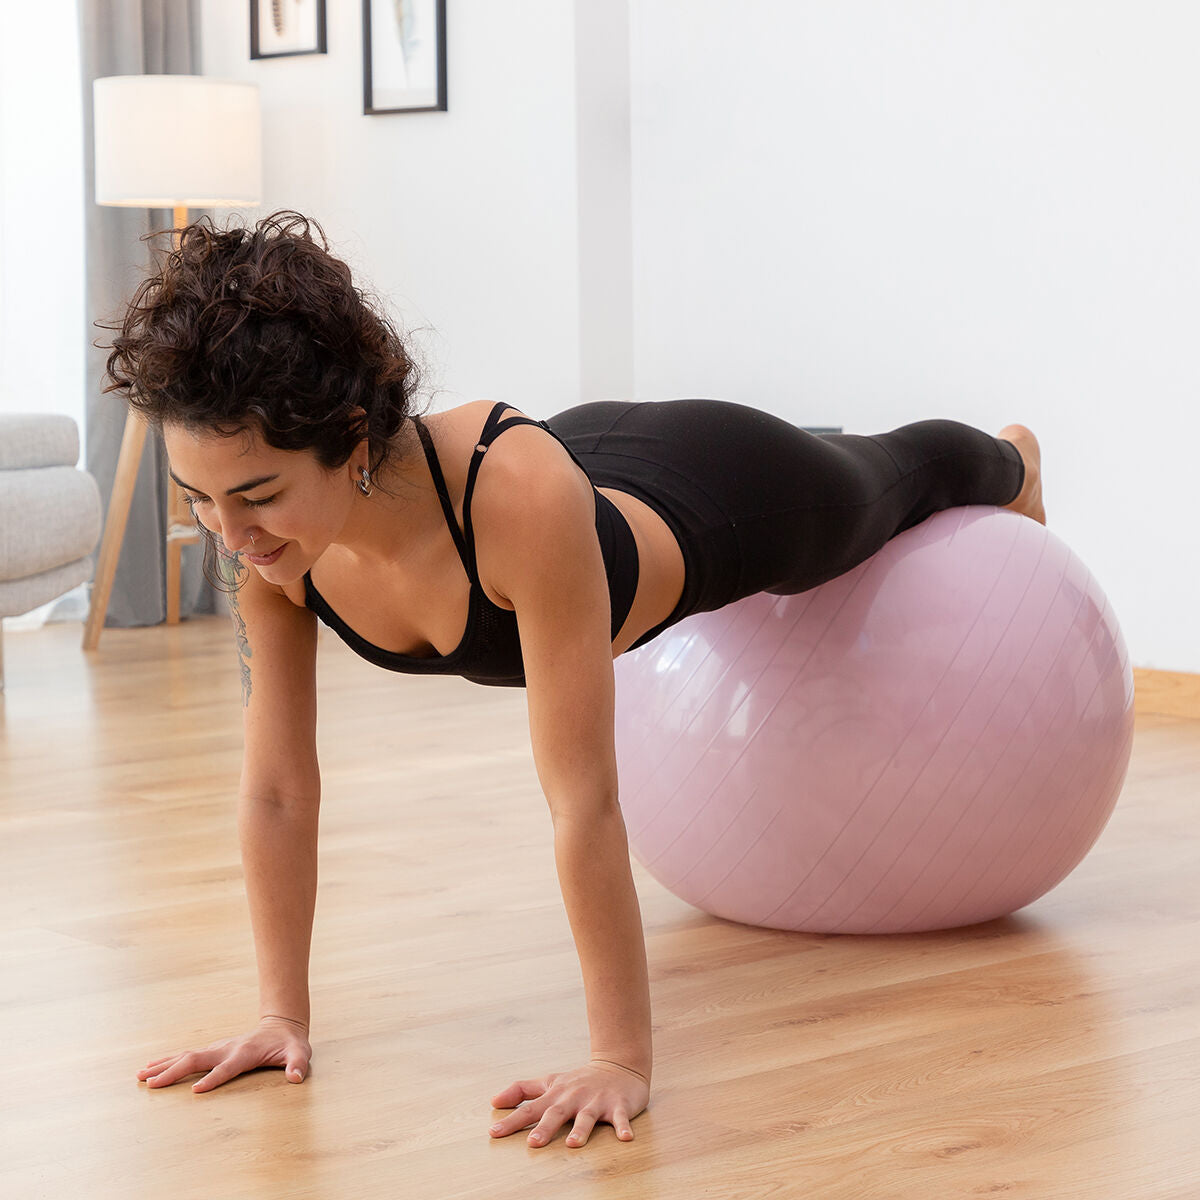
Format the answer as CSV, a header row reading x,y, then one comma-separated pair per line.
x,y
114,526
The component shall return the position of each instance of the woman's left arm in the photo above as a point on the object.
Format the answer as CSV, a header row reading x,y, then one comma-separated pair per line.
x,y
547,561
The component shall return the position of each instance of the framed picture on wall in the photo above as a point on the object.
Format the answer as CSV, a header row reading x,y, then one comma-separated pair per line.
x,y
404,56
282,27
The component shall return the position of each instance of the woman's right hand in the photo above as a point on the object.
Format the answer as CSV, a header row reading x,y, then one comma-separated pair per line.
x,y
275,1042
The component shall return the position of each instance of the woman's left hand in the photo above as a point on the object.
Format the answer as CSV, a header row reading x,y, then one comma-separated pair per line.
x,y
601,1091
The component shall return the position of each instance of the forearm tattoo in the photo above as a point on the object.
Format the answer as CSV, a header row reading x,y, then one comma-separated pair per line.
x,y
231,572
243,647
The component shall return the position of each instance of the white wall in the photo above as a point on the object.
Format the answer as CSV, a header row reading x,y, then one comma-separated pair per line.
x,y
866,212
466,220
605,199
41,211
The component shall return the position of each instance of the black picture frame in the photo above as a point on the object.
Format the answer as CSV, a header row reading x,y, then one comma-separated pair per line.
x,y
263,37
384,91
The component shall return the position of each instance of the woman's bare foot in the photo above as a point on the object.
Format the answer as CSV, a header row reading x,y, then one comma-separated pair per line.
x,y
1029,502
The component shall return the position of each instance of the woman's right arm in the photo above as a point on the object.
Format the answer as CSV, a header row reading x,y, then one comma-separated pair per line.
x,y
277,822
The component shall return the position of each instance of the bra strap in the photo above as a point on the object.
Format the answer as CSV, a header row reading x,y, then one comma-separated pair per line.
x,y
439,483
493,427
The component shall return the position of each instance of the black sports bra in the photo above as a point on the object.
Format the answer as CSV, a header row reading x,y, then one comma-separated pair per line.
x,y
490,649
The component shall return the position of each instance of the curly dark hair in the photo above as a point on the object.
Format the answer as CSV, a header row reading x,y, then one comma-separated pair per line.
x,y
262,329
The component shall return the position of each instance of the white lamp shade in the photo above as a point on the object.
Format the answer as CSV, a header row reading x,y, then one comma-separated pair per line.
x,y
164,141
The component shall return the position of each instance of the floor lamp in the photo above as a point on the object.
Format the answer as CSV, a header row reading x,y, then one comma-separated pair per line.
x,y
178,142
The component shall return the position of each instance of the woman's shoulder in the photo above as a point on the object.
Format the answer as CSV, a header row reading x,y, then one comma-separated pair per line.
x,y
520,464
456,433
464,422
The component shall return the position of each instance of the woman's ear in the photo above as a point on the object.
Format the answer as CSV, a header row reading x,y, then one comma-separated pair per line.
x,y
360,456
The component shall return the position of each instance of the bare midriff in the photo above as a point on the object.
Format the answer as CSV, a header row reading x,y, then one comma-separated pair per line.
x,y
660,568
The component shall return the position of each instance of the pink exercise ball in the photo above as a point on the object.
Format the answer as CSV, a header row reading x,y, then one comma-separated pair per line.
x,y
935,738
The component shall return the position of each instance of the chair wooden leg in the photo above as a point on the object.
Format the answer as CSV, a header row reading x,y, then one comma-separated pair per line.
x,y
181,531
128,461
174,557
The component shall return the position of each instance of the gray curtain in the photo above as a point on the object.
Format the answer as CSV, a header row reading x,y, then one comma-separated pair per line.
x,y
131,37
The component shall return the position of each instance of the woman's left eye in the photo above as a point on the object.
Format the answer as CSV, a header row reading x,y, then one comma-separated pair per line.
x,y
259,503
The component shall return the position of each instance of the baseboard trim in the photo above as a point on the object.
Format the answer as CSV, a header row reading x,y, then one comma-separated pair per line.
x,y
1166,694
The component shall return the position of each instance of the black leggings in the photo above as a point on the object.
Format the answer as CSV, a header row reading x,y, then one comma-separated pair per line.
x,y
759,505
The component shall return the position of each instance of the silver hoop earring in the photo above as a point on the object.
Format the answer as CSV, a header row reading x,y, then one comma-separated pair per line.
x,y
364,484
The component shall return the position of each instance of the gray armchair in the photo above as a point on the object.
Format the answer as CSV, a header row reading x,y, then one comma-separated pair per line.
x,y
49,514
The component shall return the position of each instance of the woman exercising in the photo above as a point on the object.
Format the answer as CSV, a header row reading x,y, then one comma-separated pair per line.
x,y
481,543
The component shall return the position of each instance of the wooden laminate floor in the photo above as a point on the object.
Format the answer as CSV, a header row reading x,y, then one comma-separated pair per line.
x,y
1049,1055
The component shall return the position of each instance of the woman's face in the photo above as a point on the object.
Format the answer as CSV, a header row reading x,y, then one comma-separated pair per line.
x,y
279,509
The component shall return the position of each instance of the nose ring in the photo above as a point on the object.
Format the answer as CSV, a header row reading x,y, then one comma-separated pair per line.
x,y
252,539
